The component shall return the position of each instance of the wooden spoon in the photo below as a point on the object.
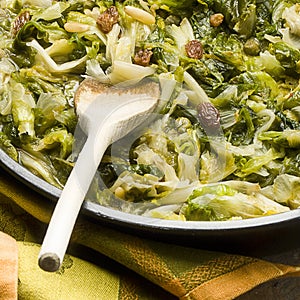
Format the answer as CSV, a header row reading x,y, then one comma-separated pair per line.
x,y
106,113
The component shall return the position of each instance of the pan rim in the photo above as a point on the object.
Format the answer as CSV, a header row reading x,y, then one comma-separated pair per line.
x,y
101,213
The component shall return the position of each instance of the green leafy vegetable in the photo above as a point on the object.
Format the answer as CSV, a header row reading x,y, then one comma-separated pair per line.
x,y
220,202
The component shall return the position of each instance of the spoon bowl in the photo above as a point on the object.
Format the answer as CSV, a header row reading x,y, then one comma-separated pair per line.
x,y
105,113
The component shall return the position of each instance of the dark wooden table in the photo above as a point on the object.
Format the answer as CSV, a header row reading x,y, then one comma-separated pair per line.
x,y
287,288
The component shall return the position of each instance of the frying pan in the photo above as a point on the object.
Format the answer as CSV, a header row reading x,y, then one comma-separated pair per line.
x,y
257,237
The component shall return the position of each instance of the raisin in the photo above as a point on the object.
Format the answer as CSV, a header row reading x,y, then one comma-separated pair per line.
x,y
142,57
216,20
107,19
208,115
19,22
194,49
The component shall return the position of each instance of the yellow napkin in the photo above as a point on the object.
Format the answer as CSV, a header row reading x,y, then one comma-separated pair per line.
x,y
103,263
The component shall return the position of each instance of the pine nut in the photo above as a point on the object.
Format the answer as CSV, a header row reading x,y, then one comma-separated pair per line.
x,y
140,15
76,27
120,193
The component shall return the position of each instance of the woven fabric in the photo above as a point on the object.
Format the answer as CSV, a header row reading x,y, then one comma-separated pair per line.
x,y
8,267
77,279
102,261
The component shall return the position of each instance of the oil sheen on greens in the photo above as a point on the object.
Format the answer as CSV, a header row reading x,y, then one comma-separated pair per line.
x,y
175,167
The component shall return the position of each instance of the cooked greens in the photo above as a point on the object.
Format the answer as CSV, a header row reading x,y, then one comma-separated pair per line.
x,y
225,141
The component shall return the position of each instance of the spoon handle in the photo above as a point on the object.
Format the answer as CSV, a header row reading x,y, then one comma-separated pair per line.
x,y
68,206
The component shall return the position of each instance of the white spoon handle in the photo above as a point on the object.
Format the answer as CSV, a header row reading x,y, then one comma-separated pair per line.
x,y
68,206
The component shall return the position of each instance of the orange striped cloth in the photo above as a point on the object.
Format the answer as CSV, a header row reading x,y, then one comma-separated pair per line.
x,y
8,267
